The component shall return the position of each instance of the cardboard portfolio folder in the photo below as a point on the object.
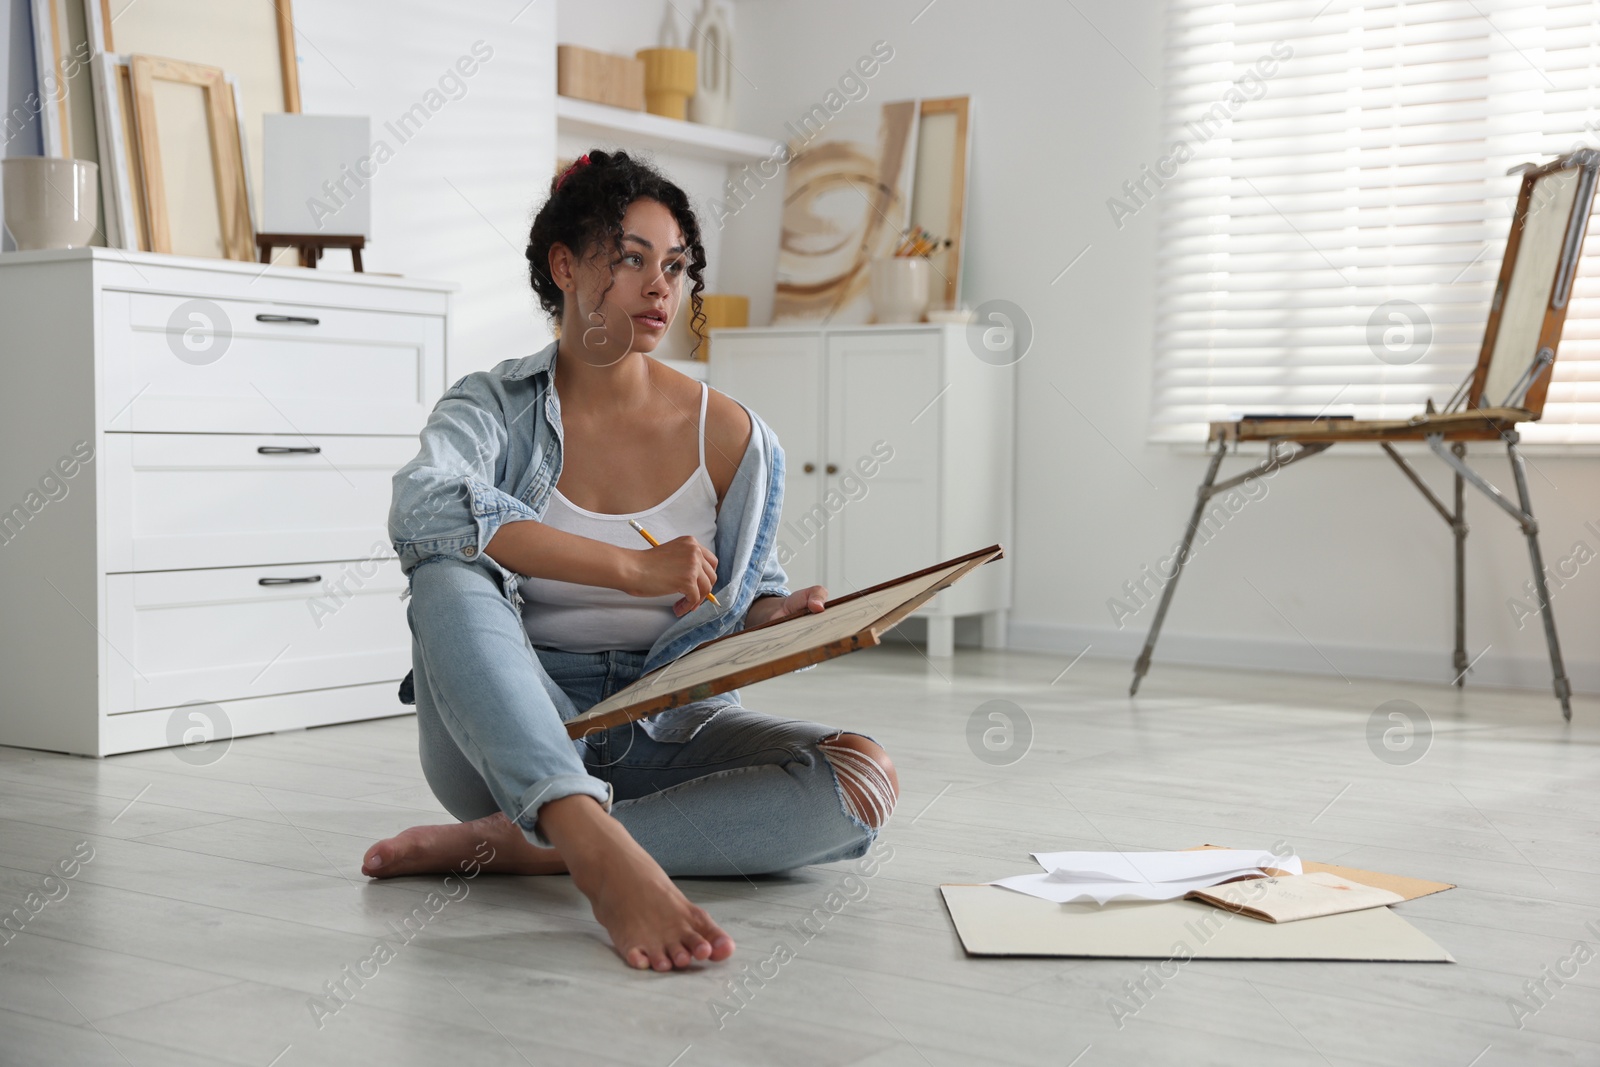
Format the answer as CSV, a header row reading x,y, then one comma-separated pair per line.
x,y
994,921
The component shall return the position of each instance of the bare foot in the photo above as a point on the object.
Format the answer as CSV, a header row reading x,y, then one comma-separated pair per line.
x,y
651,923
444,849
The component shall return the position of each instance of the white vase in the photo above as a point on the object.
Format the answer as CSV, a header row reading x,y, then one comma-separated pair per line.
x,y
898,288
50,202
712,104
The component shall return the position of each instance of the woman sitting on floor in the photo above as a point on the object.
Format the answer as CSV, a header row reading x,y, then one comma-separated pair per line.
x,y
532,598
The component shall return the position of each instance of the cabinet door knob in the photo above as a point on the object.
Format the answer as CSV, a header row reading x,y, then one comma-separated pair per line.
x,y
809,468
833,468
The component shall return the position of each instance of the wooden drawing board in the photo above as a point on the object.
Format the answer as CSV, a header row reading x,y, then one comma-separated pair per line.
x,y
845,624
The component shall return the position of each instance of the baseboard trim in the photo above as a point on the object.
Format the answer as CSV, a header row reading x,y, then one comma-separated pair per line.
x,y
1353,661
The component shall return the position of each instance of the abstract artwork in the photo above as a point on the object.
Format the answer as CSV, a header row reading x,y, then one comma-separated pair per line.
x,y
847,201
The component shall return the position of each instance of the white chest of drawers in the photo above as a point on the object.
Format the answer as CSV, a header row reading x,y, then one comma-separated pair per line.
x,y
195,462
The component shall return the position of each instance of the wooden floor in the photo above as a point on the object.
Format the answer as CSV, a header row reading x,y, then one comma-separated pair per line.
x,y
222,899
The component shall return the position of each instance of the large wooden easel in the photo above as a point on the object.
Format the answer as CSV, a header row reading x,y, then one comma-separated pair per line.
x,y
1507,386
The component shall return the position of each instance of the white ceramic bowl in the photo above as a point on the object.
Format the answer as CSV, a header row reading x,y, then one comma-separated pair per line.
x,y
50,202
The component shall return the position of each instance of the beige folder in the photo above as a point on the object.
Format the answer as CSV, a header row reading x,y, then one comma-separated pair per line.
x,y
995,921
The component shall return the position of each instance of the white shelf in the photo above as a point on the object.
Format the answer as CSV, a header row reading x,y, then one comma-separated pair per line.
x,y
640,129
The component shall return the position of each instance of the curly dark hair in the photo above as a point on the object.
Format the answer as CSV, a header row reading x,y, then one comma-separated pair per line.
x,y
584,212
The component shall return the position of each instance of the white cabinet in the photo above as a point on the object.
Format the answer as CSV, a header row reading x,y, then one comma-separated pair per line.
x,y
195,465
898,451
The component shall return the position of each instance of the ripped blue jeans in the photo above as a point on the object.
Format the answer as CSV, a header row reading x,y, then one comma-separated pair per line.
x,y
749,793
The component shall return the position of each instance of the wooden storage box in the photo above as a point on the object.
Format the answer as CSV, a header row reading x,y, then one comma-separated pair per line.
x,y
599,77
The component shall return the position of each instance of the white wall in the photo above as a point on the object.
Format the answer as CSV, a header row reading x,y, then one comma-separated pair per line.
x,y
1064,112
1066,107
456,200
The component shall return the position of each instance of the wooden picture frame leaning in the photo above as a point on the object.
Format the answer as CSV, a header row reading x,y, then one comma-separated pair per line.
x,y
121,183
253,41
939,190
61,53
46,61
236,233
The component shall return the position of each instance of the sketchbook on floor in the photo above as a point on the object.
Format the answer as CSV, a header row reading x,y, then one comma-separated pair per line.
x,y
845,624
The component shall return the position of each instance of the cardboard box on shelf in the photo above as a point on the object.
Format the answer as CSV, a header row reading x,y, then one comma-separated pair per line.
x,y
599,77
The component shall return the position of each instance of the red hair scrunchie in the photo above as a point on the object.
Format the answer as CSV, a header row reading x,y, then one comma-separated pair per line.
x,y
579,162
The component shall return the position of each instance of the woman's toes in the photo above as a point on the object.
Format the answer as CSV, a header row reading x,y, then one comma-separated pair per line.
x,y
681,957
718,944
638,959
404,853
372,863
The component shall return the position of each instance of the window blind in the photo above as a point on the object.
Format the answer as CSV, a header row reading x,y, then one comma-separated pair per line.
x,y
1334,202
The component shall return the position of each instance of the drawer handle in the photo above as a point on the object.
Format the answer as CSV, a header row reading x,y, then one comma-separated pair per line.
x,y
286,450
304,320
289,581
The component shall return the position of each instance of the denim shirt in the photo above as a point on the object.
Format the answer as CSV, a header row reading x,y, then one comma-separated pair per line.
x,y
491,454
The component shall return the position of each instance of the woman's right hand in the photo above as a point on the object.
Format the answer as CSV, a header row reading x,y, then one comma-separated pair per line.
x,y
682,565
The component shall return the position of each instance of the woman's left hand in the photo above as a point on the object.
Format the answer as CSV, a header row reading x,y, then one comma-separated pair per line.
x,y
800,602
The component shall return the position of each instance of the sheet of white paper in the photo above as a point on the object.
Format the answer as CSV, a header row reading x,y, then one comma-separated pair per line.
x,y
1159,866
1044,886
1108,876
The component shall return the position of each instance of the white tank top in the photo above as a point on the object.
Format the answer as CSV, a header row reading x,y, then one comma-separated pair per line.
x,y
588,618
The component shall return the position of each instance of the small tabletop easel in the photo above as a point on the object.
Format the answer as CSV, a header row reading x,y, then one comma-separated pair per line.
x,y
311,245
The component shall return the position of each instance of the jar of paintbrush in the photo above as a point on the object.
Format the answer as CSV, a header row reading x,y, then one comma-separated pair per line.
x,y
899,285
